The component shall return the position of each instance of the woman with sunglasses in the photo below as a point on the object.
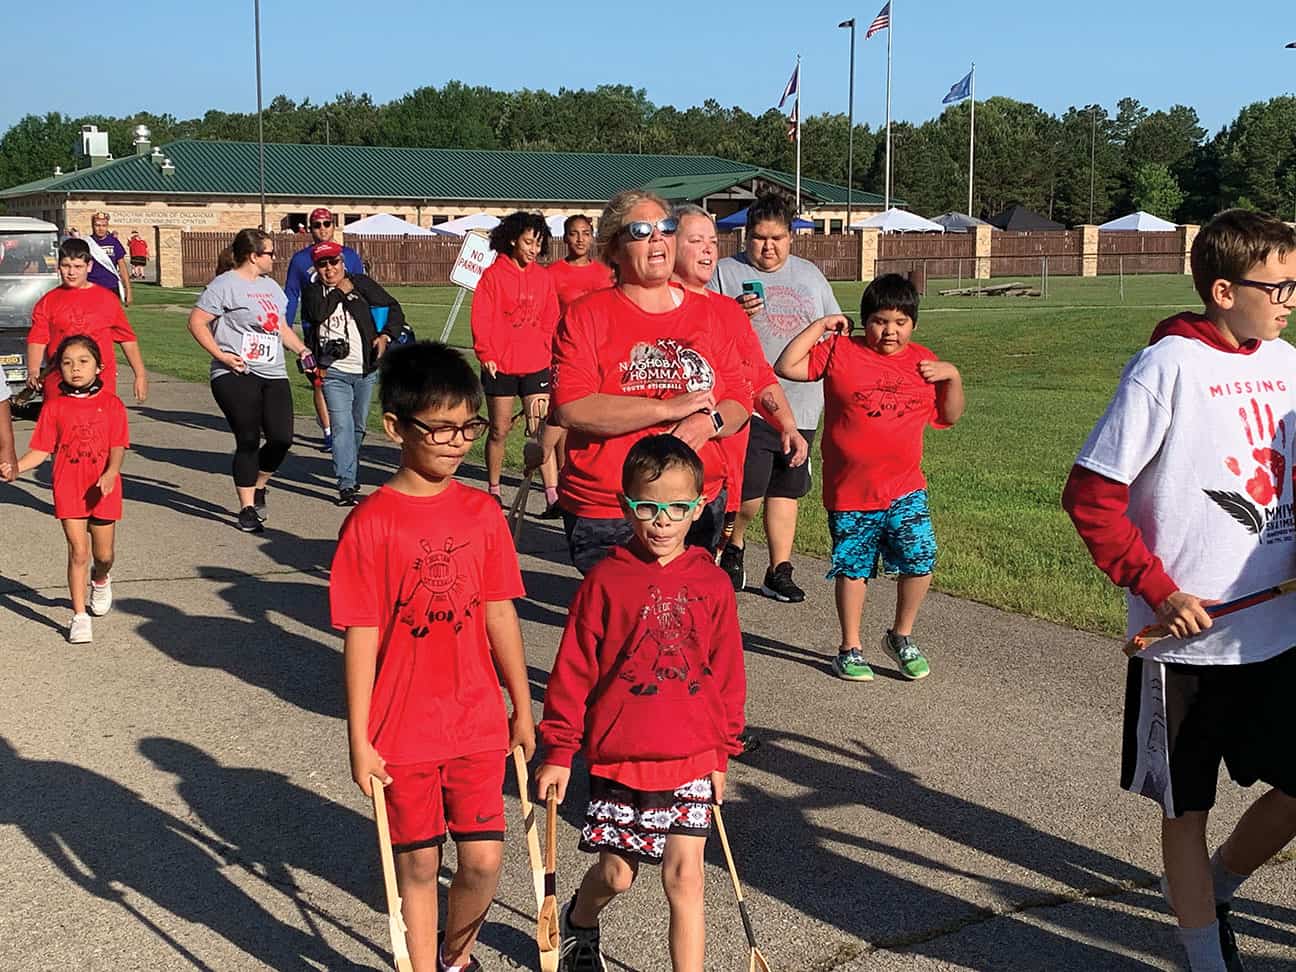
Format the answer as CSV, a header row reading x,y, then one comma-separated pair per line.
x,y
641,358
338,315
239,320
514,310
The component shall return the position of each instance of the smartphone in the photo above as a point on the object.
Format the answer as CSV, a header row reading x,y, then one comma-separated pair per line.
x,y
754,287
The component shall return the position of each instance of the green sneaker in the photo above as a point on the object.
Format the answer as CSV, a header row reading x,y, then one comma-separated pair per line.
x,y
905,651
851,666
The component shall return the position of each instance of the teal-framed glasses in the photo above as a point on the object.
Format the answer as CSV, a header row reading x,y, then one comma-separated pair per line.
x,y
648,510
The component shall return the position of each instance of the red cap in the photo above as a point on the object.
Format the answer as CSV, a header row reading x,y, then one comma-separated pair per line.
x,y
321,214
325,251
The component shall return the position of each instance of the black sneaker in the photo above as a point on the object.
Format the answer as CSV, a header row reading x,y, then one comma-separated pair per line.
x,y
1228,940
248,521
731,562
578,947
259,504
551,512
779,585
348,497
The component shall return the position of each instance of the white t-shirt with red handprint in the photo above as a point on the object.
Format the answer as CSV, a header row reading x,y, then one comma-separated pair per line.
x,y
1203,435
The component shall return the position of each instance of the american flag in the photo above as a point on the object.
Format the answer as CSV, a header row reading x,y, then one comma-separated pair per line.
x,y
792,125
881,22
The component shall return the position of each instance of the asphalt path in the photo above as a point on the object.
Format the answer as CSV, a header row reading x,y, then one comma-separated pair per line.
x,y
176,795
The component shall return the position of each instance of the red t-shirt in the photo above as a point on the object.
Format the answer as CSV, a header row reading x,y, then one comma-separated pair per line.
x,y
513,316
138,246
649,678
80,432
606,345
92,311
571,281
421,569
876,407
757,374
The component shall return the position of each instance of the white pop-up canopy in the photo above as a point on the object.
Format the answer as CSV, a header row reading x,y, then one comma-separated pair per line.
x,y
555,224
460,226
899,221
385,224
1141,221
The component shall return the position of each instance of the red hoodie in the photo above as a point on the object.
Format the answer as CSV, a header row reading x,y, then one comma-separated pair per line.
x,y
649,679
1099,506
514,312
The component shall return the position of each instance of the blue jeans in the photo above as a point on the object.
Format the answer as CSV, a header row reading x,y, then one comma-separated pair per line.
x,y
347,398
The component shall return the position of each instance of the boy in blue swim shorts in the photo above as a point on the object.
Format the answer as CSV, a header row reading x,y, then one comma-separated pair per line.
x,y
881,391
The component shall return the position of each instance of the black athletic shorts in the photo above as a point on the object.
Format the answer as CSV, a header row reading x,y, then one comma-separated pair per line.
x,y
589,540
1181,720
515,386
766,471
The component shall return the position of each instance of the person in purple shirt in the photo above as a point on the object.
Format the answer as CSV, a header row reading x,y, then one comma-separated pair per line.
x,y
116,278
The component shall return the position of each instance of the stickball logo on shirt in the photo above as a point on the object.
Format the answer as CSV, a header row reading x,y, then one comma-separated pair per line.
x,y
1260,470
668,649
888,398
787,309
433,590
665,365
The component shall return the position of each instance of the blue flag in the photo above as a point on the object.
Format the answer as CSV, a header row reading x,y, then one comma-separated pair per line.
x,y
960,90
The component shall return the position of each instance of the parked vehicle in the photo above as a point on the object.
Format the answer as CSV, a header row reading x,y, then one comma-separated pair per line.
x,y
28,270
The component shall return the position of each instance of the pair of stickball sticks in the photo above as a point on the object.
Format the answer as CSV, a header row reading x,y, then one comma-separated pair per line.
x,y
543,873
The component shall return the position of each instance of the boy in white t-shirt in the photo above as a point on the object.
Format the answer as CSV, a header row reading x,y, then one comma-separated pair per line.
x,y
1184,496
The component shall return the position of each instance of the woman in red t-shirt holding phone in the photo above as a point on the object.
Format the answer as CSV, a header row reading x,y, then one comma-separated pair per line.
x,y
637,359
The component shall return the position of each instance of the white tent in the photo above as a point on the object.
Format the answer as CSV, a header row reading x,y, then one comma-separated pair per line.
x,y
555,224
1144,222
958,222
899,221
460,226
384,224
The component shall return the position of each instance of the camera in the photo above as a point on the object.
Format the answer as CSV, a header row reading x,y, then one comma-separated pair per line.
x,y
331,351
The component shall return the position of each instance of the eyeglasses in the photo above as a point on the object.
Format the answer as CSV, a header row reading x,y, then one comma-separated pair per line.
x,y
641,229
265,252
445,434
322,225
1279,293
328,262
647,510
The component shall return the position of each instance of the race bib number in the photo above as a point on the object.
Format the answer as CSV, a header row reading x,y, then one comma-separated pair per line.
x,y
260,348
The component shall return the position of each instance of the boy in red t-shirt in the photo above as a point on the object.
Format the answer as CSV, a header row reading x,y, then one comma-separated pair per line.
x,y
84,427
649,682
423,582
880,393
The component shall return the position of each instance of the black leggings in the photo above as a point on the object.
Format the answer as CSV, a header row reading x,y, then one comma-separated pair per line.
x,y
254,406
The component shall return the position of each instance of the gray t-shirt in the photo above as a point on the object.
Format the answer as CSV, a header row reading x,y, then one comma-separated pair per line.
x,y
796,295
248,314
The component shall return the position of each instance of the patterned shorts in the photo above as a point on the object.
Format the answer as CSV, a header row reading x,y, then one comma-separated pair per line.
x,y
635,823
902,534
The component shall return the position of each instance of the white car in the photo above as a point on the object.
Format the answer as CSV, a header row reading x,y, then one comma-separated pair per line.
x,y
28,270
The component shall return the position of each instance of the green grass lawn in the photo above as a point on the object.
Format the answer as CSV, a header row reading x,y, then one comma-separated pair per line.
x,y
1038,372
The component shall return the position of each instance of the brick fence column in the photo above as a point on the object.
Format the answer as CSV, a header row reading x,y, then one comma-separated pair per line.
x,y
1187,234
868,252
1088,250
983,244
170,263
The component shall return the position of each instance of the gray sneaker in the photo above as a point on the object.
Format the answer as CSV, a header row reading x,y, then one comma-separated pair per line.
x,y
579,948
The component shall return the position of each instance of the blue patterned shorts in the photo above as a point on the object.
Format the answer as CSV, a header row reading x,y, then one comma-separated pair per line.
x,y
902,534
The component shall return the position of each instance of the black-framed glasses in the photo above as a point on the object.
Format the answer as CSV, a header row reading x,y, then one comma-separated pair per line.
x,y
648,510
322,224
445,434
641,229
1279,293
328,262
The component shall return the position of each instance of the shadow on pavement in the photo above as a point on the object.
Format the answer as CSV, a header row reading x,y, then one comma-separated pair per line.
x,y
19,599
112,844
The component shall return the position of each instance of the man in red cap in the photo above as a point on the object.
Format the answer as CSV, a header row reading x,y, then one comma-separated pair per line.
x,y
301,271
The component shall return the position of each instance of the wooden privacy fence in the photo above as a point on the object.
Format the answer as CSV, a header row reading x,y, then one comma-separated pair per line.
x,y
936,254
1022,254
1135,252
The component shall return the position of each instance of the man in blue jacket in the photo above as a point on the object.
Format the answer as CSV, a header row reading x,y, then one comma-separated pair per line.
x,y
301,271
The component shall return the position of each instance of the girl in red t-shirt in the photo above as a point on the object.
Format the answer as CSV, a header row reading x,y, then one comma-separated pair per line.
x,y
84,428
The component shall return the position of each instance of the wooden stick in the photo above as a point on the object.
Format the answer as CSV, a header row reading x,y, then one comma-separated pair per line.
x,y
756,961
395,920
1155,632
529,827
547,932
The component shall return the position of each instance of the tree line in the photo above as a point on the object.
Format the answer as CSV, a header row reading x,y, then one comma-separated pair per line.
x,y
1088,163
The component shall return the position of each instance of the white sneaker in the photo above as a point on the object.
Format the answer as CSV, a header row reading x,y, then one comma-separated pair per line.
x,y
100,597
80,631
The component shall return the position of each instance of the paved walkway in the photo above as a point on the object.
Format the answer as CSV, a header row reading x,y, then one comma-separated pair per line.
x,y
177,794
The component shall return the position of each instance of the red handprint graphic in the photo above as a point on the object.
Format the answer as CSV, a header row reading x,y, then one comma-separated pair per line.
x,y
1266,483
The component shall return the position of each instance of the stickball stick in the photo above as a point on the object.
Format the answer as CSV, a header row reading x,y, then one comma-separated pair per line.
x,y
756,962
395,920
1155,632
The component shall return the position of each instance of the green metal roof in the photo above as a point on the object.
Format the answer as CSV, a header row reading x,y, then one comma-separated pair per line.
x,y
677,187
222,168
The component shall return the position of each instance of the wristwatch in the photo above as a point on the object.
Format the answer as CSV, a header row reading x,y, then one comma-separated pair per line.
x,y
717,419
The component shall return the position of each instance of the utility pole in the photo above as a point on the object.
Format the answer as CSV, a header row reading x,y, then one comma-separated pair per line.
x,y
850,124
256,9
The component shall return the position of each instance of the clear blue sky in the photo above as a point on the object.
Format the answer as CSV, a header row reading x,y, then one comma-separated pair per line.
x,y
185,58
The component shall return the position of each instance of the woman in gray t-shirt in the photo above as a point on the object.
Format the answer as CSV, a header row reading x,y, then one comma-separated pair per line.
x,y
240,320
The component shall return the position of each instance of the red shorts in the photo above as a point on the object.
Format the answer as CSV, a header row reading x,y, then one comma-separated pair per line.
x,y
466,792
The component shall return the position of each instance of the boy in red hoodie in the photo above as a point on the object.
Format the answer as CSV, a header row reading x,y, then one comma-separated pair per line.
x,y
649,681
1184,496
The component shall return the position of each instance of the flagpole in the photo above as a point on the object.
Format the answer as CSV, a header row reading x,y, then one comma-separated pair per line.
x,y
850,126
972,140
797,211
890,30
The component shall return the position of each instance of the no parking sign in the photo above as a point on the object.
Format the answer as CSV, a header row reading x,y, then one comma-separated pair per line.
x,y
474,257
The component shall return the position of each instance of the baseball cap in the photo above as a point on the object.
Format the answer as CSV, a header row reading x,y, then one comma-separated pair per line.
x,y
325,251
320,214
